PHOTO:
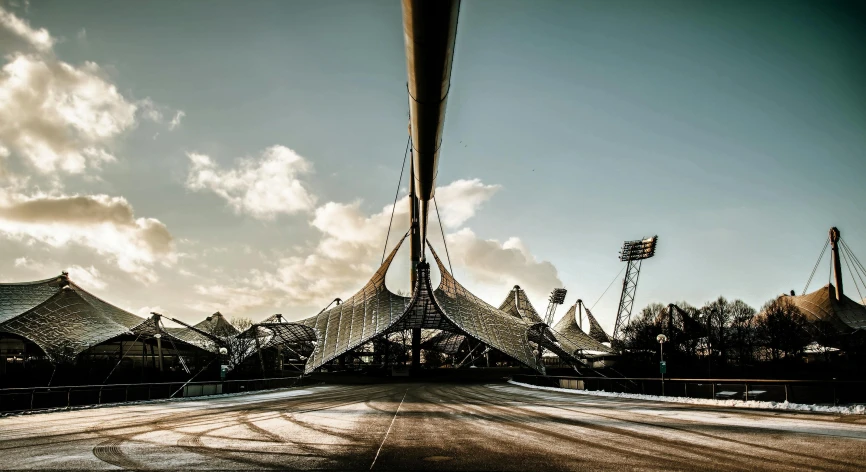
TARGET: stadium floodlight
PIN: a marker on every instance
(638, 250)
(557, 297)
(632, 253)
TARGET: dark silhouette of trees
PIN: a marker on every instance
(780, 330)
(729, 338)
(742, 333)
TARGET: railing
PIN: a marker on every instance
(833, 392)
(42, 398)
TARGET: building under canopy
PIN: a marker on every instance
(375, 311)
(843, 316)
(57, 321)
(568, 327)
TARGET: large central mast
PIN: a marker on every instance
(429, 30)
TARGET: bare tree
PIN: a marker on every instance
(639, 335)
(241, 323)
(781, 329)
(742, 332)
(718, 315)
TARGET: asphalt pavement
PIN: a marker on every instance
(430, 427)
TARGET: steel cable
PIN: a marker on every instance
(826, 243)
(862, 271)
(608, 288)
(396, 196)
(442, 229)
(849, 256)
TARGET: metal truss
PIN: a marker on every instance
(626, 300)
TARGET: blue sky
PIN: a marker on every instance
(733, 130)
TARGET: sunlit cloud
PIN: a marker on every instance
(262, 187)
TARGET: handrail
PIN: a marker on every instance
(751, 381)
(141, 384)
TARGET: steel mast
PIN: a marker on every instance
(429, 31)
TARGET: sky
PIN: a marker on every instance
(192, 157)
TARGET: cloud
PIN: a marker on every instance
(150, 110)
(502, 264)
(350, 248)
(27, 263)
(82, 34)
(56, 116)
(461, 199)
(261, 187)
(87, 277)
(175, 122)
(103, 224)
(145, 311)
(59, 117)
(14, 31)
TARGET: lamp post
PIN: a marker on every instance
(158, 338)
(708, 346)
(662, 366)
(224, 363)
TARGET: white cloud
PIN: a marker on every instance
(57, 116)
(145, 311)
(502, 264)
(82, 34)
(175, 122)
(459, 200)
(350, 249)
(150, 110)
(15, 29)
(87, 277)
(262, 187)
(103, 224)
(27, 263)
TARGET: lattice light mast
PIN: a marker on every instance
(556, 298)
(633, 253)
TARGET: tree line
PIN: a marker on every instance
(726, 338)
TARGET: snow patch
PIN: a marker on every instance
(839, 410)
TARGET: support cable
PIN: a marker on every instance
(174, 346)
(820, 257)
(121, 359)
(856, 261)
(858, 267)
(396, 195)
(442, 229)
(608, 287)
(191, 379)
(849, 256)
(853, 279)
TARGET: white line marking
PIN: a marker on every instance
(389, 429)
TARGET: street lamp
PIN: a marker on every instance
(662, 366)
(224, 364)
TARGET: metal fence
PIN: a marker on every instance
(829, 392)
(43, 398)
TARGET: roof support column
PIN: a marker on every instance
(837, 263)
(415, 250)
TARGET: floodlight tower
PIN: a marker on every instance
(556, 298)
(632, 253)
